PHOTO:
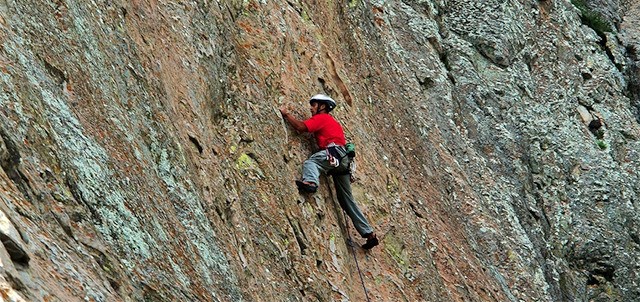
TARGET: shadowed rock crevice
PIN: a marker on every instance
(59, 75)
(78, 197)
(196, 143)
(301, 239)
(16, 251)
(633, 78)
(10, 161)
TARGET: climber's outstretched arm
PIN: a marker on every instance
(297, 124)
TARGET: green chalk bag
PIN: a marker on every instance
(351, 149)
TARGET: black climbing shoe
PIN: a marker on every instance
(306, 188)
(372, 241)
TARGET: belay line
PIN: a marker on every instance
(353, 250)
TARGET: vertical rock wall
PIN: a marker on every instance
(144, 157)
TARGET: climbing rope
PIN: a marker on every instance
(353, 251)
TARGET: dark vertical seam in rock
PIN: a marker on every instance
(11, 166)
(196, 143)
(299, 235)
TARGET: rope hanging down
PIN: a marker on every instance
(353, 249)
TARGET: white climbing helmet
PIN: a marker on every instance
(321, 98)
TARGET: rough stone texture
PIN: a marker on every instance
(144, 159)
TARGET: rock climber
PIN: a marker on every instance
(332, 159)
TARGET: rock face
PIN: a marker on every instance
(144, 159)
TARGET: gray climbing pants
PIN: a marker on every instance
(317, 164)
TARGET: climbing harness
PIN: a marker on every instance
(333, 155)
(333, 160)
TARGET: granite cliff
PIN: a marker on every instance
(144, 159)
